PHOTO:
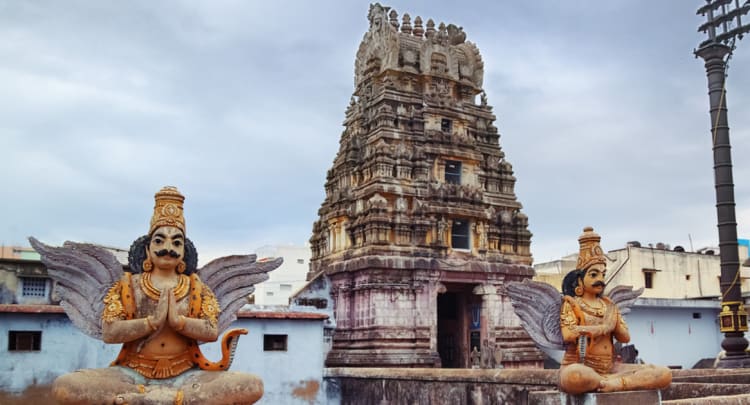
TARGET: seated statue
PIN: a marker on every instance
(160, 309)
(584, 323)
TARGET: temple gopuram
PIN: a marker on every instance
(420, 228)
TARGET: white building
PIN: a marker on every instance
(287, 278)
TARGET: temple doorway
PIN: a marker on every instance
(458, 325)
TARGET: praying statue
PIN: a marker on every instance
(585, 323)
(160, 309)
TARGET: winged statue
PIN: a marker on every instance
(161, 307)
(538, 305)
(580, 325)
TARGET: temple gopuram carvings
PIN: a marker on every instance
(420, 228)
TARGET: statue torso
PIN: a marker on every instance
(164, 341)
(599, 353)
(165, 352)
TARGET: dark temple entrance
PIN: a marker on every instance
(457, 325)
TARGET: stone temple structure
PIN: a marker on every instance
(420, 228)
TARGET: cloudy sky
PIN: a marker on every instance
(601, 105)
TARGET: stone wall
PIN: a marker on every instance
(392, 386)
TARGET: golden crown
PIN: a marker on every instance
(591, 252)
(168, 209)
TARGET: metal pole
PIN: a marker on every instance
(733, 318)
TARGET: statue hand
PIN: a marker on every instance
(592, 330)
(160, 316)
(176, 321)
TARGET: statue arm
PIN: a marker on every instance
(123, 331)
(571, 328)
(569, 323)
(116, 328)
(205, 328)
(621, 329)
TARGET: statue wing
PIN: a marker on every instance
(232, 279)
(624, 297)
(83, 273)
(538, 306)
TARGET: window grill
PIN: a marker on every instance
(24, 341)
(33, 287)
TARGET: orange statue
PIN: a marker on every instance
(584, 323)
(159, 310)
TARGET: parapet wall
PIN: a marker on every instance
(392, 386)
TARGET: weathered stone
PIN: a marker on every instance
(743, 399)
(697, 390)
(392, 386)
(420, 209)
(611, 398)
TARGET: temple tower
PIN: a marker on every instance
(420, 227)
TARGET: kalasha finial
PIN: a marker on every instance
(168, 209)
(394, 19)
(406, 24)
(418, 30)
(430, 28)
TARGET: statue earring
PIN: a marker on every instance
(579, 289)
(147, 265)
(181, 266)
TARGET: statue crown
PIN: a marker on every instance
(168, 209)
(590, 252)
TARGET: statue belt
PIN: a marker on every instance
(153, 366)
(602, 364)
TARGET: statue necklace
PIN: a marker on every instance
(590, 309)
(179, 292)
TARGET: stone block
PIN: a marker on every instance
(652, 397)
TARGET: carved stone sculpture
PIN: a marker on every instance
(159, 309)
(415, 113)
(476, 358)
(584, 322)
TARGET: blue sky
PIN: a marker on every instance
(601, 106)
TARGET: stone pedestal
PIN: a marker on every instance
(595, 398)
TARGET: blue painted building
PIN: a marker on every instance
(285, 347)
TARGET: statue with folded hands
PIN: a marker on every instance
(585, 322)
(160, 309)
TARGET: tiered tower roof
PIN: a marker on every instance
(419, 171)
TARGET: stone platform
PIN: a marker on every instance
(612, 398)
(426, 386)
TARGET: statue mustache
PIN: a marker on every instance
(165, 252)
(599, 284)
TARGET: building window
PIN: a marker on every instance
(269, 293)
(696, 315)
(301, 261)
(33, 287)
(446, 125)
(460, 234)
(453, 171)
(24, 341)
(274, 343)
(687, 277)
(648, 279)
(285, 287)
